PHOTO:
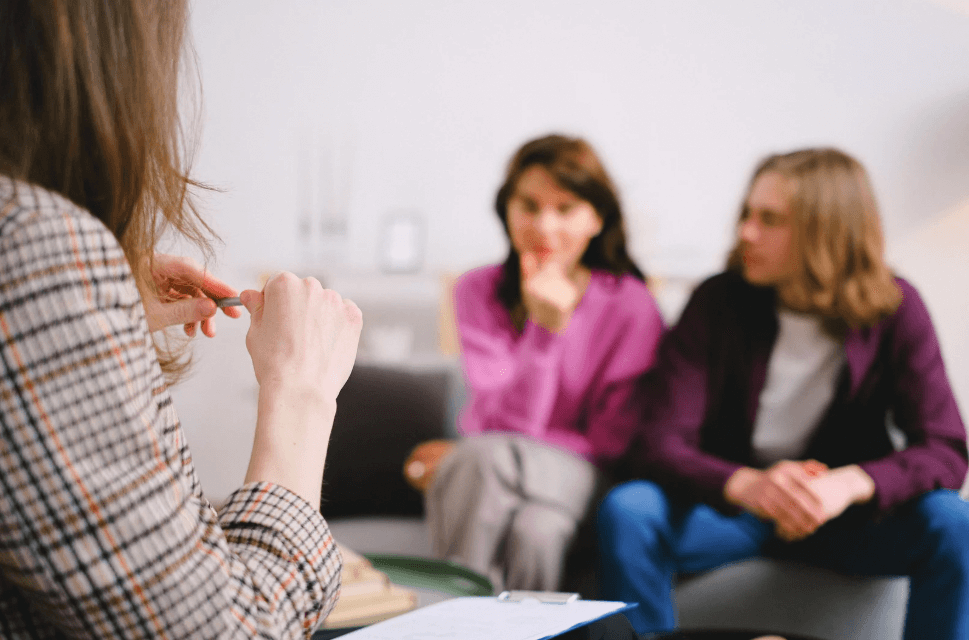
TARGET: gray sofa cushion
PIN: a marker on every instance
(793, 598)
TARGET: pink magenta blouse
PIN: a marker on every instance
(575, 390)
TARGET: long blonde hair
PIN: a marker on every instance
(840, 271)
(90, 110)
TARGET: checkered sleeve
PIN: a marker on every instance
(103, 532)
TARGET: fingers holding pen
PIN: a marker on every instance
(171, 310)
(252, 300)
(182, 295)
(301, 333)
(185, 276)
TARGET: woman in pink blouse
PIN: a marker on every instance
(553, 342)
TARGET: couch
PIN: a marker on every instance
(385, 411)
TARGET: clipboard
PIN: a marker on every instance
(487, 618)
(545, 597)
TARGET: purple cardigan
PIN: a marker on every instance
(701, 398)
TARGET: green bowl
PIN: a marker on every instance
(437, 575)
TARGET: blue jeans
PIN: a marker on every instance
(646, 539)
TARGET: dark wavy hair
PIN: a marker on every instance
(574, 165)
(89, 109)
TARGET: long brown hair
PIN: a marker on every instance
(574, 165)
(90, 110)
(840, 267)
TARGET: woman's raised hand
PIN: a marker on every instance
(303, 341)
(183, 295)
(548, 294)
(302, 334)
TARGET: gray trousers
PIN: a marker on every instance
(508, 507)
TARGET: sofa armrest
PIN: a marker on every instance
(383, 412)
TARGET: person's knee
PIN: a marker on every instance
(537, 527)
(637, 501)
(482, 458)
(946, 518)
(639, 506)
(535, 548)
(945, 530)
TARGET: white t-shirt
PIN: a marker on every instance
(801, 378)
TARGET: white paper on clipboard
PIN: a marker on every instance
(485, 618)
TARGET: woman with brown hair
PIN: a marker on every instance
(104, 530)
(767, 424)
(552, 343)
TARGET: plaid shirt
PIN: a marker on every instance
(104, 532)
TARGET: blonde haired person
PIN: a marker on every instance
(104, 530)
(767, 417)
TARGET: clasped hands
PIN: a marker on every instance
(798, 496)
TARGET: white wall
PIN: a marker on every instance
(417, 106)
(935, 258)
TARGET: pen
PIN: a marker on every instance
(222, 303)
